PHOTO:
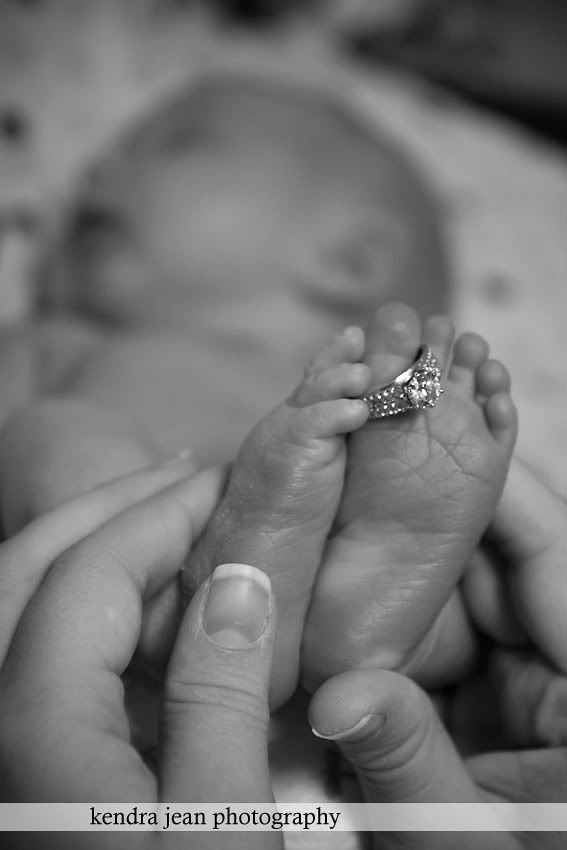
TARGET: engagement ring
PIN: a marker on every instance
(417, 388)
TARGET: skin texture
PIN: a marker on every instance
(222, 242)
(284, 490)
(76, 585)
(285, 493)
(204, 261)
(209, 256)
(420, 490)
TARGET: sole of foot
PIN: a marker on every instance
(284, 491)
(420, 489)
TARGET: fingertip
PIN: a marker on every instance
(393, 737)
(237, 609)
(357, 704)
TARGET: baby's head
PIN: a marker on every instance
(247, 202)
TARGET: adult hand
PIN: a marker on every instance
(513, 713)
(392, 734)
(75, 593)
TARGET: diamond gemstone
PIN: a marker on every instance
(424, 388)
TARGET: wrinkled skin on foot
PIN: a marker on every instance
(420, 490)
(284, 491)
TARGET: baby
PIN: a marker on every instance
(198, 331)
(386, 529)
(203, 264)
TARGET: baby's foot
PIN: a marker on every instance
(420, 490)
(284, 491)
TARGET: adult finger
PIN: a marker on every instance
(215, 710)
(532, 697)
(517, 700)
(530, 534)
(25, 558)
(488, 599)
(524, 776)
(78, 634)
(388, 729)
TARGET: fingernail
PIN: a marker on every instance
(368, 723)
(237, 607)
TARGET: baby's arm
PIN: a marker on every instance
(54, 446)
(57, 448)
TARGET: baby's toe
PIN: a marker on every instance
(347, 380)
(469, 353)
(492, 377)
(346, 347)
(327, 419)
(393, 338)
(438, 334)
(502, 418)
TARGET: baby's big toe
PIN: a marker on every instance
(324, 420)
(392, 340)
(438, 334)
(335, 372)
(348, 380)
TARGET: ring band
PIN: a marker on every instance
(417, 388)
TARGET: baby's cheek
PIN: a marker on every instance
(212, 218)
(112, 284)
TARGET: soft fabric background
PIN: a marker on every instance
(73, 72)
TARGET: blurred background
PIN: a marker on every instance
(475, 93)
(463, 103)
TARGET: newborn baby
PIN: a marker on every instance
(389, 524)
(204, 263)
(202, 267)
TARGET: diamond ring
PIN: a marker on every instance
(417, 388)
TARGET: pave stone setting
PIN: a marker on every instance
(424, 389)
(418, 388)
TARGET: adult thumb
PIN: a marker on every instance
(390, 732)
(215, 712)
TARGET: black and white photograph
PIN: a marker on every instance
(283, 424)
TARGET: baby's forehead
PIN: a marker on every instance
(224, 116)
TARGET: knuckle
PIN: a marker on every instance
(241, 699)
(87, 566)
(397, 759)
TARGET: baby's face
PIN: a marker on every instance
(244, 214)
